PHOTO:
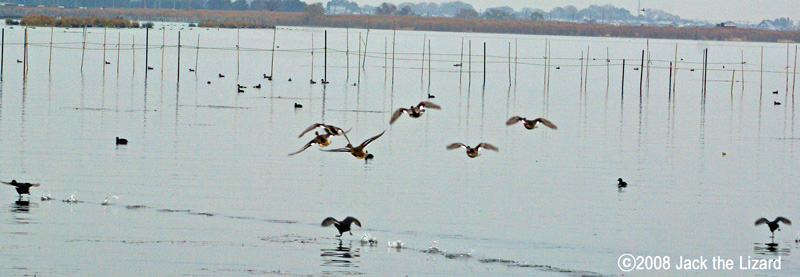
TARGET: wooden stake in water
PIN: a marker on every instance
(623, 79)
(237, 51)
(272, 60)
(762, 72)
(509, 64)
(2, 52)
(104, 51)
(422, 67)
(393, 45)
(325, 60)
(163, 45)
(586, 79)
(146, 50)
(197, 54)
(83, 48)
(733, 76)
(312, 56)
(179, 58)
(669, 91)
(358, 77)
(484, 64)
(119, 48)
(794, 70)
(429, 66)
(50, 57)
(641, 75)
(742, 78)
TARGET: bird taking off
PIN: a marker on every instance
(773, 225)
(343, 226)
(22, 188)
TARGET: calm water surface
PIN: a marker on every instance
(205, 185)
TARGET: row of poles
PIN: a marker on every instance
(584, 67)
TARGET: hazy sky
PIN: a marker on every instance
(712, 10)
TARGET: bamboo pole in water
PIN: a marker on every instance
(347, 49)
(608, 69)
(119, 49)
(484, 63)
(641, 74)
(104, 51)
(623, 79)
(179, 58)
(733, 76)
(675, 74)
(586, 79)
(325, 59)
(394, 37)
(669, 91)
(461, 61)
(469, 64)
(366, 43)
(422, 67)
(509, 64)
(163, 45)
(237, 51)
(787, 68)
(429, 67)
(358, 79)
(762, 73)
(580, 88)
(516, 56)
(2, 52)
(133, 52)
(794, 70)
(50, 57)
(197, 54)
(25, 53)
(385, 57)
(742, 72)
(312, 57)
(272, 60)
(146, 50)
(83, 48)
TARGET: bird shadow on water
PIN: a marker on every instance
(770, 249)
(341, 256)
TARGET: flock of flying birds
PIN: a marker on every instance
(323, 139)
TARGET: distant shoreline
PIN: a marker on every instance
(419, 23)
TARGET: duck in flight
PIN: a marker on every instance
(531, 124)
(321, 140)
(343, 226)
(329, 129)
(773, 225)
(472, 152)
(413, 111)
(22, 188)
(358, 151)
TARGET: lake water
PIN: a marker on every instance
(206, 187)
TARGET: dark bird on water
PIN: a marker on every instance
(107, 62)
(239, 91)
(773, 225)
(358, 151)
(472, 152)
(24, 188)
(354, 84)
(297, 106)
(413, 111)
(558, 67)
(221, 76)
(312, 81)
(122, 141)
(18, 61)
(776, 103)
(431, 96)
(325, 82)
(149, 68)
(209, 82)
(239, 86)
(290, 79)
(257, 86)
(191, 70)
(775, 92)
(621, 183)
(269, 78)
(343, 226)
(531, 124)
(457, 65)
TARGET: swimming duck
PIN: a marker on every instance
(472, 152)
(269, 78)
(773, 225)
(122, 141)
(18, 61)
(297, 106)
(257, 86)
(431, 96)
(221, 76)
(621, 183)
(414, 112)
(149, 68)
(321, 140)
(343, 226)
(457, 65)
(22, 188)
(329, 129)
(775, 92)
(359, 151)
(107, 62)
(209, 82)
(239, 91)
(191, 70)
(325, 82)
(531, 124)
(776, 103)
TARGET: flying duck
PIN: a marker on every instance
(321, 140)
(358, 151)
(531, 124)
(472, 152)
(414, 112)
(329, 129)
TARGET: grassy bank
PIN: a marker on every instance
(264, 18)
(49, 21)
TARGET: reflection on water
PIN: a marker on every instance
(771, 249)
(341, 256)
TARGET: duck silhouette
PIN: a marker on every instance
(358, 151)
(22, 188)
(773, 225)
(121, 141)
(531, 124)
(621, 183)
(342, 226)
(413, 111)
(472, 152)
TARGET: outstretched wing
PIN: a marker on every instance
(783, 220)
(397, 115)
(351, 219)
(546, 123)
(8, 183)
(455, 145)
(487, 146)
(429, 105)
(514, 119)
(36, 185)
(761, 221)
(367, 142)
(303, 149)
(328, 221)
(337, 150)
(310, 128)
